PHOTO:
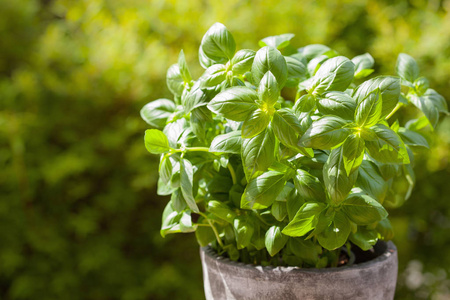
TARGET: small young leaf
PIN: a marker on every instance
(174, 80)
(186, 183)
(244, 229)
(407, 67)
(184, 70)
(218, 44)
(363, 62)
(156, 141)
(275, 240)
(278, 41)
(353, 153)
(268, 91)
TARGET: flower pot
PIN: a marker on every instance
(374, 279)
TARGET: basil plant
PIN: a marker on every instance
(287, 156)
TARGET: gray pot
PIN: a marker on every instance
(375, 279)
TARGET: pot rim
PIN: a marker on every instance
(387, 253)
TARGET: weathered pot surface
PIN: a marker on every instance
(375, 279)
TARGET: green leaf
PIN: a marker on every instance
(187, 182)
(275, 240)
(431, 104)
(218, 44)
(363, 209)
(177, 200)
(242, 61)
(325, 133)
(258, 153)
(364, 238)
(308, 186)
(193, 99)
(412, 138)
(156, 113)
(307, 250)
(206, 62)
(174, 80)
(170, 221)
(363, 65)
(368, 111)
(235, 103)
(336, 234)
(269, 59)
(184, 70)
(297, 71)
(353, 153)
(371, 181)
(338, 184)
(337, 103)
(221, 210)
(335, 74)
(306, 103)
(389, 87)
(279, 210)
(205, 236)
(421, 85)
(227, 143)
(186, 222)
(385, 230)
(200, 117)
(156, 141)
(277, 41)
(244, 229)
(407, 67)
(304, 220)
(165, 168)
(388, 147)
(268, 91)
(214, 75)
(314, 50)
(256, 122)
(262, 191)
(286, 128)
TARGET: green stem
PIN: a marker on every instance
(216, 233)
(233, 173)
(394, 111)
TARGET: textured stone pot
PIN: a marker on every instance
(375, 279)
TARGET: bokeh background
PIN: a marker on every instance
(79, 215)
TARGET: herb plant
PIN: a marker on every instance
(286, 156)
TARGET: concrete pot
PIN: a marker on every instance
(375, 279)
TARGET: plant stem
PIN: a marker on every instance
(219, 240)
(233, 173)
(394, 111)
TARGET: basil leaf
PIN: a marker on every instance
(177, 200)
(325, 133)
(371, 181)
(200, 116)
(297, 71)
(314, 50)
(335, 74)
(389, 87)
(186, 183)
(221, 210)
(388, 147)
(412, 138)
(431, 103)
(338, 184)
(368, 111)
(363, 65)
(268, 91)
(256, 122)
(275, 240)
(308, 186)
(353, 153)
(279, 210)
(363, 209)
(277, 41)
(262, 191)
(421, 85)
(214, 75)
(258, 153)
(242, 61)
(337, 103)
(156, 141)
(156, 113)
(227, 143)
(364, 238)
(407, 67)
(269, 59)
(184, 70)
(304, 220)
(235, 103)
(218, 44)
(307, 250)
(165, 168)
(204, 235)
(336, 234)
(175, 130)
(286, 128)
(174, 80)
(385, 230)
(170, 221)
(206, 62)
(244, 229)
(305, 104)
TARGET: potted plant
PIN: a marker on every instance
(283, 161)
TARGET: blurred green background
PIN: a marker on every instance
(79, 215)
